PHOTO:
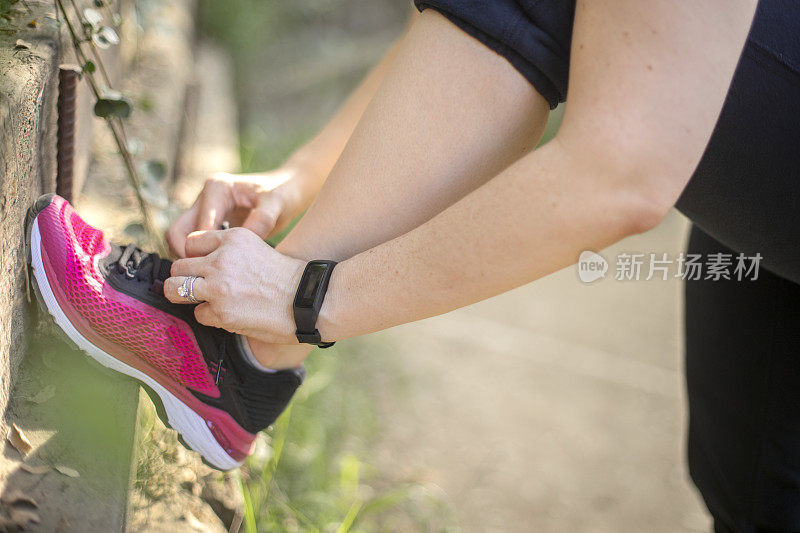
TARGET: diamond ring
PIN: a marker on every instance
(186, 290)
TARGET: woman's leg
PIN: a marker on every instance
(743, 377)
(449, 115)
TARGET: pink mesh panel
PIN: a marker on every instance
(89, 239)
(161, 340)
(192, 375)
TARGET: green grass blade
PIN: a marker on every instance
(249, 511)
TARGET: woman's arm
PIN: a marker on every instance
(648, 80)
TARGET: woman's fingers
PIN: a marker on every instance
(242, 286)
(212, 209)
(202, 243)
(193, 266)
(225, 198)
(179, 230)
(264, 215)
(199, 289)
(206, 315)
(213, 204)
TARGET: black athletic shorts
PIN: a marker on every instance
(743, 342)
(533, 35)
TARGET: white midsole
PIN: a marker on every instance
(183, 419)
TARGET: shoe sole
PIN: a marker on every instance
(174, 413)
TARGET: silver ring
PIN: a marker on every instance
(186, 290)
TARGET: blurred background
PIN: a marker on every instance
(556, 407)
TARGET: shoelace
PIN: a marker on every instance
(220, 360)
(138, 264)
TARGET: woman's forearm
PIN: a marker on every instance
(531, 220)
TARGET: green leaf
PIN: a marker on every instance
(348, 474)
(89, 67)
(104, 108)
(350, 518)
(249, 510)
(155, 170)
(105, 37)
(67, 471)
(135, 231)
(112, 104)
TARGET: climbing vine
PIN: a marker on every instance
(90, 34)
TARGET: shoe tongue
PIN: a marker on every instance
(164, 268)
(146, 261)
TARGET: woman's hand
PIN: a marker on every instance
(263, 203)
(245, 285)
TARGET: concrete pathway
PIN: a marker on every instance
(556, 407)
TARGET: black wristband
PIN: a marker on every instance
(308, 301)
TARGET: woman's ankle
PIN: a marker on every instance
(279, 356)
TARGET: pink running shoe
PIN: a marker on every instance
(108, 299)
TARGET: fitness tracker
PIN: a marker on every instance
(308, 301)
